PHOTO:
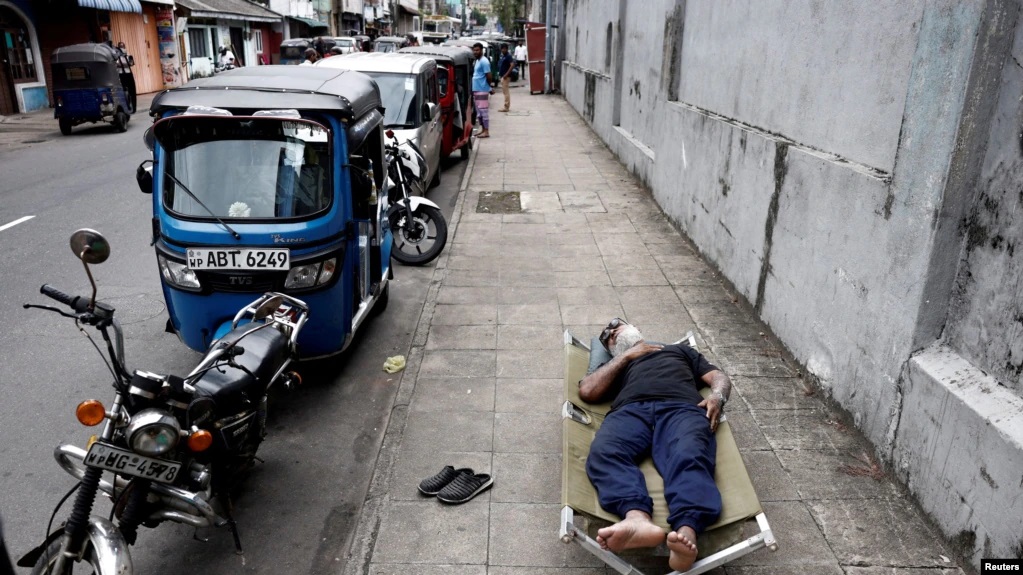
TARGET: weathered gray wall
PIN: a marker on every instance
(826, 156)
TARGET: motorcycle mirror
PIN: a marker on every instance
(90, 246)
(267, 308)
(144, 176)
(149, 138)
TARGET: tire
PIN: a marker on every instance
(382, 301)
(45, 563)
(466, 149)
(121, 121)
(65, 126)
(409, 241)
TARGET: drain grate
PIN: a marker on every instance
(499, 203)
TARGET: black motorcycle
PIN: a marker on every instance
(170, 446)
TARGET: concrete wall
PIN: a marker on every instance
(829, 169)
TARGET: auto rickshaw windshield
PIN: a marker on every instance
(246, 168)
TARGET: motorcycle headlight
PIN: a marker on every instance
(177, 274)
(153, 432)
(311, 275)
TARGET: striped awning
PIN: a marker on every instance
(113, 5)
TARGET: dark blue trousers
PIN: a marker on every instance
(677, 435)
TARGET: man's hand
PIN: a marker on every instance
(640, 349)
(713, 407)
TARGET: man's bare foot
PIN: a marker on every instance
(636, 530)
(682, 544)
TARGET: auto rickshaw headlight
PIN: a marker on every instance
(310, 275)
(177, 274)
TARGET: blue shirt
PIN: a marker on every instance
(479, 75)
(504, 64)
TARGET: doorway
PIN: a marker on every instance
(238, 45)
(17, 65)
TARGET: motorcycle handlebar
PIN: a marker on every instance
(78, 303)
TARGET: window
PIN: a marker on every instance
(257, 39)
(431, 87)
(17, 47)
(197, 42)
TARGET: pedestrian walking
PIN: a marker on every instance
(311, 56)
(520, 58)
(505, 66)
(481, 89)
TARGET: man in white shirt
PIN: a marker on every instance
(520, 57)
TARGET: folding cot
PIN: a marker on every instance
(721, 543)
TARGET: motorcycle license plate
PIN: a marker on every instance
(119, 460)
(238, 259)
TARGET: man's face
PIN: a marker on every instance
(622, 338)
(504, 50)
(477, 52)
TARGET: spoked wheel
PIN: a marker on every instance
(419, 237)
(47, 561)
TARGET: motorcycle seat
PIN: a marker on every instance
(265, 351)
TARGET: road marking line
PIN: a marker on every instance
(15, 222)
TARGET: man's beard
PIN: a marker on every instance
(626, 338)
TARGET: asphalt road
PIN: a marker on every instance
(296, 511)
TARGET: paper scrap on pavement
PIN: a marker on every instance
(394, 364)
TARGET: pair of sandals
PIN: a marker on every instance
(455, 486)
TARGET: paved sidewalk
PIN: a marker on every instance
(23, 130)
(483, 383)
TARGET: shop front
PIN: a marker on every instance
(22, 73)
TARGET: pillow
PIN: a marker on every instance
(598, 355)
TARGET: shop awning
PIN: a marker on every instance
(310, 22)
(229, 10)
(409, 6)
(113, 5)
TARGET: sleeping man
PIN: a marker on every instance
(656, 410)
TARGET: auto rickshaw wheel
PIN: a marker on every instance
(436, 178)
(65, 126)
(121, 121)
(466, 149)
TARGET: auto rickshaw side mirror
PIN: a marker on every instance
(131, 61)
(430, 110)
(149, 139)
(144, 176)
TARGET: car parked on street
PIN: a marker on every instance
(347, 44)
(411, 99)
(390, 43)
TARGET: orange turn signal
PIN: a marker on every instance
(200, 440)
(90, 412)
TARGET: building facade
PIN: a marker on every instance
(252, 33)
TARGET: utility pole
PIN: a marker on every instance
(465, 8)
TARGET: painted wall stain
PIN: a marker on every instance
(781, 168)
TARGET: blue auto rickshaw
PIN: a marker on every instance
(270, 178)
(92, 83)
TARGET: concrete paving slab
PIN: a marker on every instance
(547, 571)
(887, 532)
(530, 363)
(454, 394)
(557, 236)
(598, 314)
(833, 475)
(526, 535)
(527, 432)
(577, 263)
(587, 295)
(747, 434)
(770, 480)
(457, 534)
(850, 570)
(821, 569)
(776, 392)
(536, 314)
(633, 262)
(541, 396)
(462, 337)
(443, 363)
(696, 294)
(471, 314)
(565, 279)
(527, 295)
(811, 429)
(423, 569)
(527, 478)
(529, 278)
(436, 431)
(754, 362)
(637, 277)
(413, 465)
(800, 542)
(573, 250)
(466, 295)
(519, 336)
(472, 278)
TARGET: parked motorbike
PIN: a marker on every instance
(171, 445)
(417, 224)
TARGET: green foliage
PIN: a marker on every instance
(479, 18)
(507, 11)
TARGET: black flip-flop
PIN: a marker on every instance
(433, 485)
(464, 487)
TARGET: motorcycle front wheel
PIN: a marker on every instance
(45, 564)
(419, 237)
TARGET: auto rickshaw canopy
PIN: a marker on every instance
(351, 95)
(85, 66)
